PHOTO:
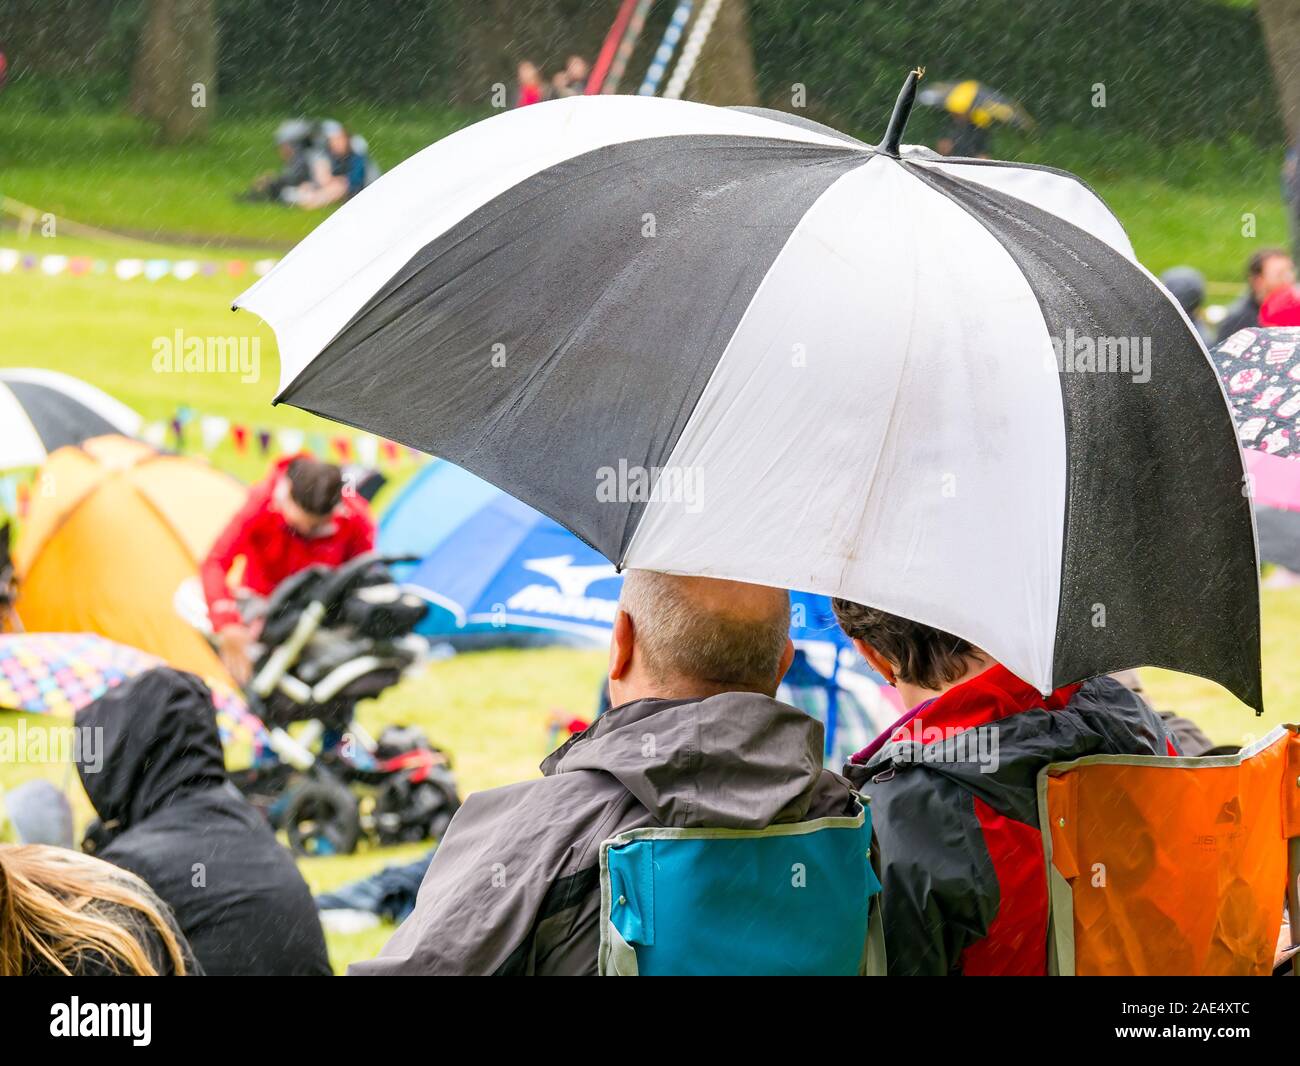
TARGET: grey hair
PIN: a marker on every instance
(681, 638)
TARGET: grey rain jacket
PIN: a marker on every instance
(514, 886)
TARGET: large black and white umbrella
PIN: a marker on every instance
(41, 410)
(835, 363)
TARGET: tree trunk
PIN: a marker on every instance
(174, 80)
(725, 71)
(1280, 21)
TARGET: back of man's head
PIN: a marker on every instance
(314, 486)
(699, 636)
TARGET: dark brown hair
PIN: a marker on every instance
(922, 655)
(314, 486)
(1255, 264)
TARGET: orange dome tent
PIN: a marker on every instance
(114, 528)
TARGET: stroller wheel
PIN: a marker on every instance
(321, 818)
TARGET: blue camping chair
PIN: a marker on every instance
(799, 899)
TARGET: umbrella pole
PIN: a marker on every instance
(902, 110)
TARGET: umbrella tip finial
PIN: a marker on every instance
(902, 109)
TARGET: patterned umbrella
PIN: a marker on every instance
(1260, 369)
(59, 673)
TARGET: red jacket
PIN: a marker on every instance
(955, 811)
(1282, 308)
(273, 550)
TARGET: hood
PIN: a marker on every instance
(153, 738)
(738, 760)
(1187, 285)
(998, 756)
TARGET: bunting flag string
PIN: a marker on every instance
(188, 430)
(13, 261)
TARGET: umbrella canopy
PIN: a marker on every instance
(59, 673)
(495, 565)
(114, 528)
(1260, 369)
(41, 410)
(743, 345)
(977, 102)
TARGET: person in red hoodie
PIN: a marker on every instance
(1282, 308)
(298, 516)
(953, 793)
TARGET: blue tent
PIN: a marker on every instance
(496, 571)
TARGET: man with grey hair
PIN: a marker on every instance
(695, 739)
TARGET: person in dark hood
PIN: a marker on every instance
(953, 787)
(1187, 286)
(152, 766)
(695, 739)
(292, 143)
(1267, 271)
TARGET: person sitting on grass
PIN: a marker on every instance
(337, 174)
(953, 792)
(72, 915)
(292, 144)
(695, 739)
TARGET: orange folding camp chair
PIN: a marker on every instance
(1173, 865)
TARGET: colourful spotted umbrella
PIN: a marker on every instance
(59, 673)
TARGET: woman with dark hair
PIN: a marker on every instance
(952, 792)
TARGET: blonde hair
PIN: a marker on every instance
(53, 914)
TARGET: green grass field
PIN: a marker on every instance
(488, 709)
(1208, 205)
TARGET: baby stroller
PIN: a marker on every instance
(329, 638)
